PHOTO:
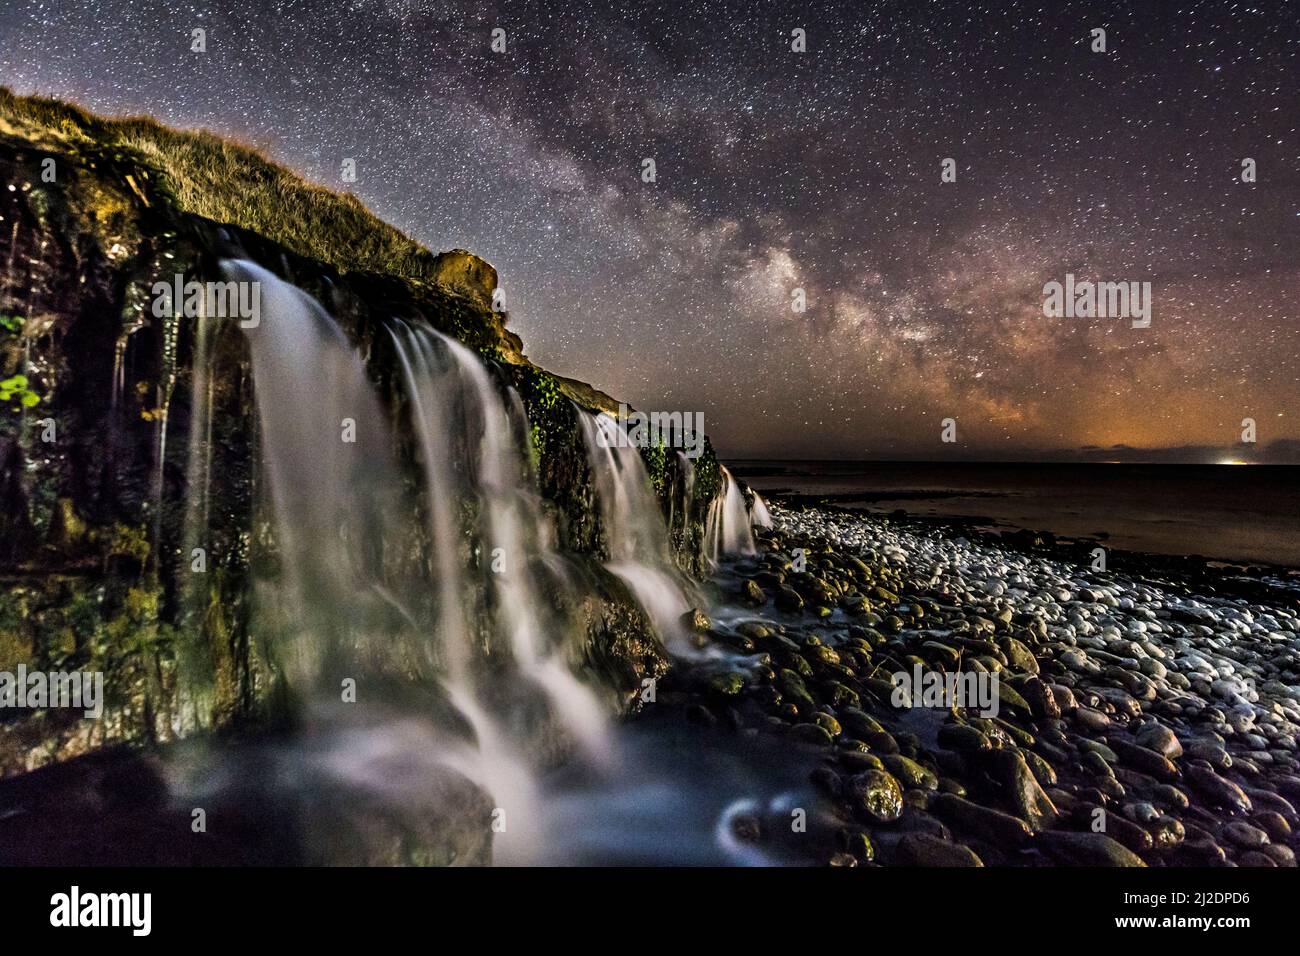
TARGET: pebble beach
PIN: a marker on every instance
(1136, 724)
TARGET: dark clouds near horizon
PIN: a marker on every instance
(778, 170)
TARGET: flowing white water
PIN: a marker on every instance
(328, 468)
(335, 495)
(450, 390)
(727, 530)
(762, 518)
(635, 532)
(442, 604)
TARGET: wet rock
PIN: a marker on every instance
(922, 849)
(1041, 768)
(856, 762)
(1132, 779)
(984, 822)
(1147, 761)
(882, 743)
(1199, 851)
(727, 685)
(1211, 753)
(1040, 698)
(811, 734)
(1220, 792)
(1021, 788)
(1020, 658)
(910, 773)
(738, 641)
(822, 654)
(1243, 835)
(1268, 800)
(1099, 748)
(949, 785)
(1255, 859)
(1170, 796)
(1280, 854)
(942, 654)
(1008, 696)
(961, 737)
(752, 594)
(1064, 697)
(696, 621)
(915, 803)
(1166, 832)
(1274, 824)
(877, 796)
(1288, 785)
(828, 723)
(1095, 764)
(859, 723)
(859, 844)
(1092, 721)
(794, 691)
(1141, 812)
(788, 599)
(1086, 849)
(1161, 739)
(840, 696)
(1136, 838)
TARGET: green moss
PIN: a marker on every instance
(126, 542)
(16, 391)
(656, 462)
(16, 388)
(546, 412)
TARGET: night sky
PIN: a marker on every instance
(778, 170)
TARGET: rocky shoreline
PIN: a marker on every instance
(1136, 725)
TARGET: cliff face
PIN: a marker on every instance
(95, 422)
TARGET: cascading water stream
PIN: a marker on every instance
(335, 495)
(330, 476)
(635, 534)
(762, 518)
(681, 503)
(728, 528)
(353, 589)
(494, 763)
(450, 388)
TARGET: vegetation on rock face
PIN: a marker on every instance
(209, 176)
(94, 562)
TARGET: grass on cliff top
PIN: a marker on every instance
(227, 182)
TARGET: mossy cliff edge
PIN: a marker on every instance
(95, 398)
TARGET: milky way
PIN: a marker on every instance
(779, 170)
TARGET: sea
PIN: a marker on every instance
(1246, 514)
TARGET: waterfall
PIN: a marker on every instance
(473, 616)
(727, 529)
(455, 405)
(331, 479)
(762, 518)
(682, 501)
(635, 533)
